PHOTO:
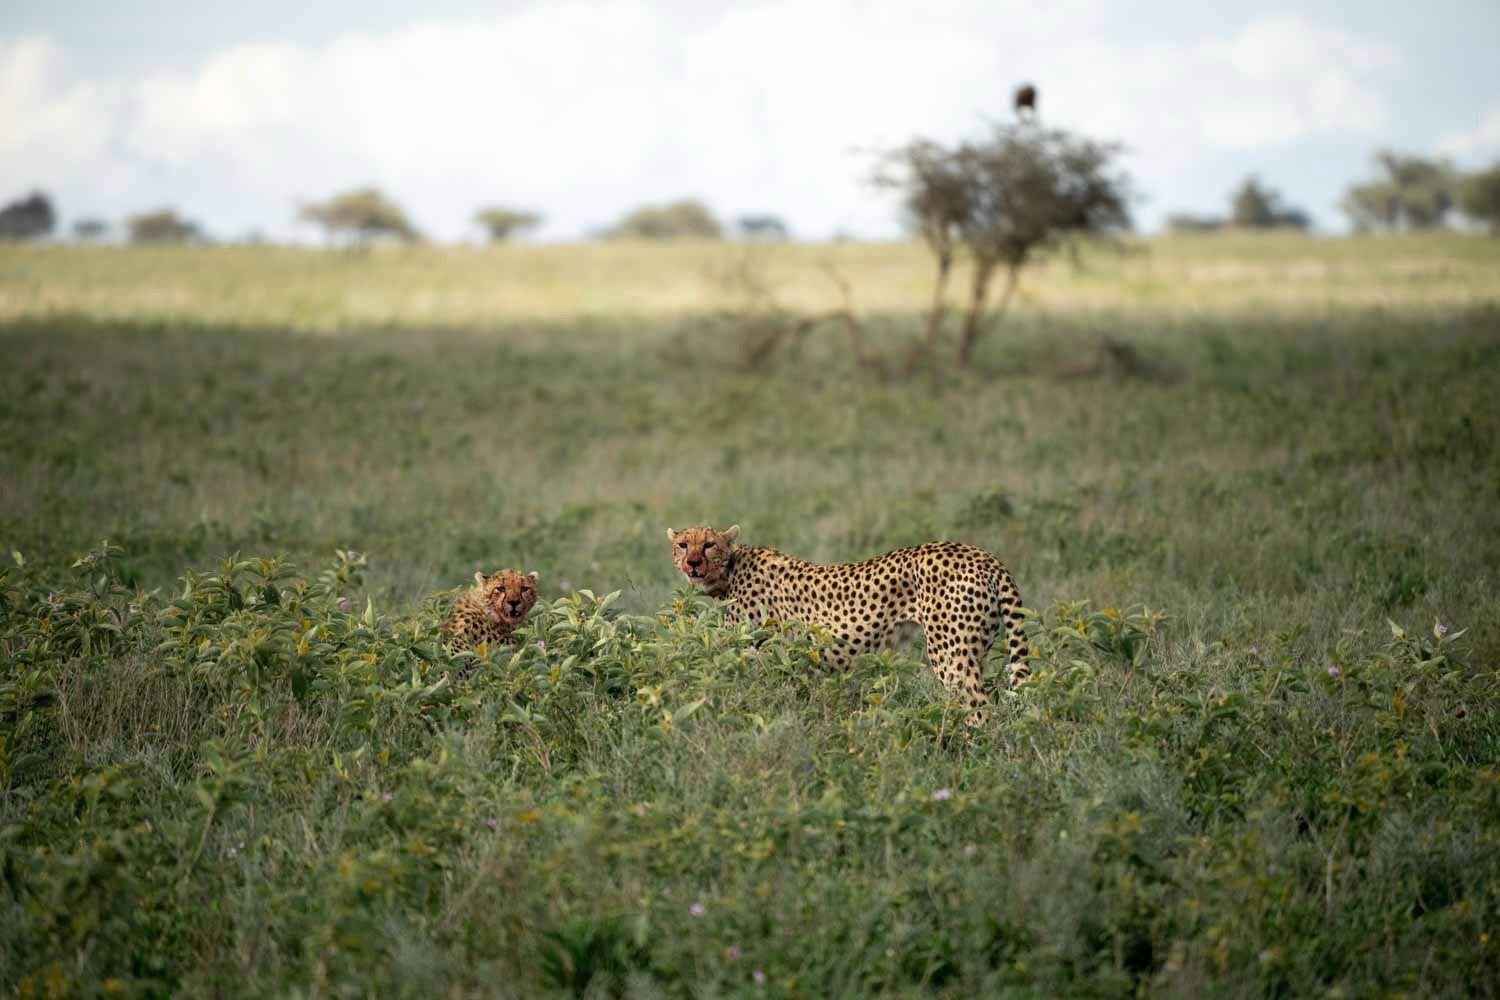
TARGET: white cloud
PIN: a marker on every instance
(1276, 80)
(581, 109)
(52, 127)
(1479, 143)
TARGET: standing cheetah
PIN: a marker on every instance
(959, 594)
(490, 610)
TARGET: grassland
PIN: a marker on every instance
(242, 782)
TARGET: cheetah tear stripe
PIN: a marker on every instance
(490, 610)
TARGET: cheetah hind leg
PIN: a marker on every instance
(958, 661)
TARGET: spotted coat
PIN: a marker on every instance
(490, 610)
(961, 596)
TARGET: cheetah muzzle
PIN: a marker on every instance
(490, 610)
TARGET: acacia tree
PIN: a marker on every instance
(162, 226)
(1479, 197)
(1003, 201)
(935, 200)
(360, 216)
(503, 223)
(29, 218)
(688, 218)
(1415, 193)
(1254, 205)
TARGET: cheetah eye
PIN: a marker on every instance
(682, 545)
(707, 546)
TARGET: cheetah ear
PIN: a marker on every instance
(671, 535)
(731, 533)
(479, 577)
(533, 576)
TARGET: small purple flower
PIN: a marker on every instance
(1442, 630)
(696, 911)
(492, 823)
(343, 604)
(386, 796)
(759, 977)
(1335, 672)
(541, 645)
(941, 795)
(732, 953)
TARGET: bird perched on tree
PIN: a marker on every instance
(1026, 102)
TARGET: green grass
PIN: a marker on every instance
(246, 783)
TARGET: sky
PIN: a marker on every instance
(235, 114)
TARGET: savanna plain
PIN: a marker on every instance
(1249, 488)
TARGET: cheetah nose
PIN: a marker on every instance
(695, 563)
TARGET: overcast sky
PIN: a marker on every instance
(235, 113)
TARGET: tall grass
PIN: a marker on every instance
(1259, 755)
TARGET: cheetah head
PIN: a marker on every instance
(508, 595)
(703, 554)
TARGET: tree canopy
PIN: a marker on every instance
(1414, 193)
(1004, 199)
(360, 216)
(162, 226)
(1479, 197)
(503, 223)
(687, 218)
(1254, 205)
(29, 218)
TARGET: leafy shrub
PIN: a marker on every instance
(262, 783)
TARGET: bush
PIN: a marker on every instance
(261, 783)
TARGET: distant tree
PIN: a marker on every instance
(1187, 222)
(162, 226)
(360, 216)
(28, 218)
(1415, 193)
(688, 218)
(765, 227)
(90, 229)
(1479, 197)
(1372, 207)
(1005, 200)
(936, 194)
(503, 223)
(1255, 206)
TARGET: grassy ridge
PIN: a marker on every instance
(465, 287)
(1267, 790)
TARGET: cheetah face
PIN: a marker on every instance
(508, 595)
(702, 554)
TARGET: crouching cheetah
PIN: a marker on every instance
(490, 610)
(959, 594)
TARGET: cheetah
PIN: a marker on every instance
(960, 595)
(490, 610)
